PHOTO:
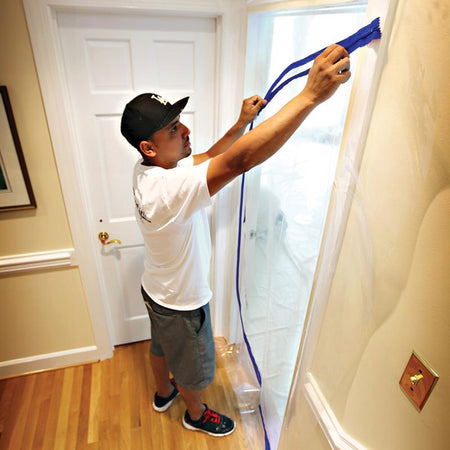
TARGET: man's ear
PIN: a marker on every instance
(148, 148)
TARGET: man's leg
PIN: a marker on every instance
(193, 400)
(161, 373)
(198, 416)
(164, 387)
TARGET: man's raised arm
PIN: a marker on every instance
(330, 70)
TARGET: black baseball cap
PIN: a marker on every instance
(146, 114)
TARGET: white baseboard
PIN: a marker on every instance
(37, 261)
(338, 439)
(48, 361)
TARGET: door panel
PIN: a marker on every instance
(108, 60)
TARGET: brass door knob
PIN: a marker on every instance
(104, 236)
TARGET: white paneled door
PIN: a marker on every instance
(109, 59)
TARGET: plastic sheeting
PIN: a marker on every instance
(283, 215)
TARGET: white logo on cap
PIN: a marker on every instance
(160, 99)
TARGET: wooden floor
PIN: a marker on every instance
(107, 405)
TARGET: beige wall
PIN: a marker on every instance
(391, 290)
(46, 311)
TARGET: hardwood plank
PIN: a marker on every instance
(53, 413)
(7, 389)
(136, 439)
(32, 412)
(24, 392)
(137, 377)
(106, 405)
(125, 399)
(10, 406)
(83, 413)
(64, 408)
(74, 409)
(149, 425)
(94, 404)
(44, 395)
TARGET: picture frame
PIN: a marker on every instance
(16, 192)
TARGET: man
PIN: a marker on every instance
(170, 206)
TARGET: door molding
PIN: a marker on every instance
(41, 16)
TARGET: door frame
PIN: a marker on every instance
(42, 24)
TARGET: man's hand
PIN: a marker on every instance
(250, 109)
(330, 69)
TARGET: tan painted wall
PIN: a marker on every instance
(391, 290)
(46, 311)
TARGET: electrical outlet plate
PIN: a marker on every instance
(418, 380)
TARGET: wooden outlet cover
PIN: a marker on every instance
(418, 393)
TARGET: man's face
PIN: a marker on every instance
(171, 144)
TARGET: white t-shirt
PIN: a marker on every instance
(171, 213)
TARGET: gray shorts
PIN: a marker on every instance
(186, 341)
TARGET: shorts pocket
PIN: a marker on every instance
(196, 320)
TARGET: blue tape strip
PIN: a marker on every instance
(266, 438)
(362, 37)
(238, 263)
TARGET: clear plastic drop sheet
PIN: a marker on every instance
(285, 205)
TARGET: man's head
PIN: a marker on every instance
(146, 114)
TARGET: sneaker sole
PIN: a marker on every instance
(190, 427)
(166, 406)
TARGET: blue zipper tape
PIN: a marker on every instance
(362, 37)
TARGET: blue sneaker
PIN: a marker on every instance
(210, 422)
(162, 404)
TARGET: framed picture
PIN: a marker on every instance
(15, 187)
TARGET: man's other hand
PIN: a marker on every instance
(250, 109)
